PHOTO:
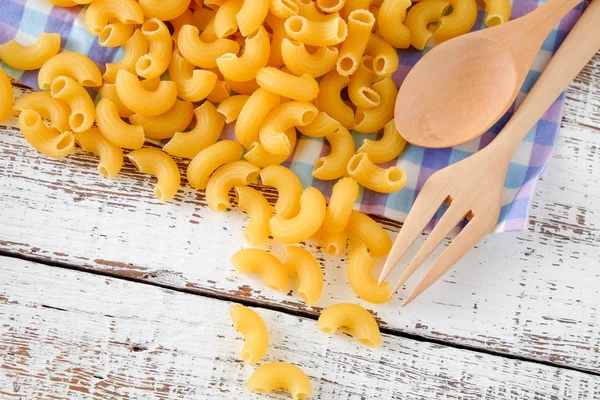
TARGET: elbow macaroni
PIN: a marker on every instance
(245, 67)
(330, 99)
(71, 65)
(192, 84)
(283, 117)
(252, 115)
(373, 119)
(254, 330)
(56, 111)
(224, 179)
(460, 21)
(135, 47)
(209, 124)
(343, 196)
(356, 319)
(111, 155)
(305, 224)
(378, 179)
(360, 24)
(300, 88)
(390, 23)
(321, 126)
(361, 280)
(280, 375)
(200, 53)
(370, 233)
(330, 32)
(289, 189)
(334, 165)
(160, 46)
(83, 112)
(251, 16)
(138, 99)
(158, 163)
(420, 16)
(101, 13)
(389, 147)
(47, 141)
(225, 23)
(31, 57)
(304, 266)
(232, 107)
(262, 158)
(264, 264)
(164, 126)
(115, 129)
(297, 58)
(385, 58)
(208, 160)
(259, 213)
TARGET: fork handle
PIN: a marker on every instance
(578, 48)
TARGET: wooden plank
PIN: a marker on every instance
(69, 334)
(535, 297)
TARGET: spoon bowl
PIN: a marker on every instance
(462, 87)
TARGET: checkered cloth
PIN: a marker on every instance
(24, 20)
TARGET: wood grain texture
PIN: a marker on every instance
(532, 294)
(69, 334)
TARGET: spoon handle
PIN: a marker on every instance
(578, 48)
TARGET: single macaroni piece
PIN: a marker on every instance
(460, 21)
(334, 243)
(388, 148)
(264, 264)
(288, 186)
(109, 91)
(209, 125)
(252, 15)
(299, 60)
(232, 107)
(330, 32)
(259, 212)
(211, 158)
(135, 47)
(352, 5)
(277, 26)
(48, 141)
(254, 330)
(115, 34)
(358, 321)
(420, 16)
(330, 6)
(385, 58)
(369, 120)
(284, 8)
(56, 111)
(111, 155)
(31, 57)
(225, 23)
(260, 157)
(321, 126)
(361, 280)
(302, 265)
(160, 46)
(360, 90)
(246, 88)
(101, 13)
(200, 53)
(389, 23)
(256, 55)
(300, 88)
(360, 25)
(6, 97)
(343, 196)
(224, 179)
(370, 233)
(192, 84)
(280, 375)
(305, 224)
(334, 165)
(164, 126)
(164, 10)
(330, 99)
(378, 179)
(158, 163)
(115, 129)
(83, 111)
(149, 103)
(279, 120)
(252, 115)
(72, 65)
(498, 12)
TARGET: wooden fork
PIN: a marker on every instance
(473, 187)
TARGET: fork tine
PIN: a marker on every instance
(449, 220)
(465, 240)
(424, 208)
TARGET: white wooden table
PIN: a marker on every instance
(105, 293)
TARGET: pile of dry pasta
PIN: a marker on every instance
(274, 67)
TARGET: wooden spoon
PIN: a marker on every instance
(462, 87)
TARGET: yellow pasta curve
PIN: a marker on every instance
(264, 264)
(358, 321)
(254, 330)
(31, 57)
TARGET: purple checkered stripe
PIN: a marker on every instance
(26, 19)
